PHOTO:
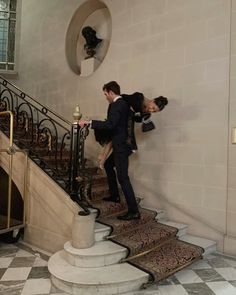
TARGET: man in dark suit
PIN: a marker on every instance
(116, 123)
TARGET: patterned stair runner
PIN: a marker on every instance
(152, 246)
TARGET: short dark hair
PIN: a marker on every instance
(112, 86)
(161, 102)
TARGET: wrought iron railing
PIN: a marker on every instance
(54, 143)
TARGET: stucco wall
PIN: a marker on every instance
(230, 240)
(180, 49)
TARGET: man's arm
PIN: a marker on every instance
(109, 124)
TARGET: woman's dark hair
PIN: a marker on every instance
(112, 86)
(161, 102)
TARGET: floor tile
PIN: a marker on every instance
(40, 262)
(198, 289)
(5, 261)
(22, 262)
(233, 283)
(10, 252)
(231, 262)
(37, 286)
(201, 264)
(222, 288)
(11, 288)
(188, 276)
(228, 273)
(55, 290)
(170, 281)
(172, 290)
(8, 246)
(2, 271)
(218, 262)
(39, 272)
(16, 274)
(209, 275)
(23, 253)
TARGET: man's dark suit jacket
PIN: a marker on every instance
(117, 117)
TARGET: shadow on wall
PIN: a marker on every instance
(191, 214)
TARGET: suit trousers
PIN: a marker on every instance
(120, 162)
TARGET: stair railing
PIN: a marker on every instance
(54, 143)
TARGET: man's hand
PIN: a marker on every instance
(83, 123)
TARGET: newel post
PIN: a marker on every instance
(83, 223)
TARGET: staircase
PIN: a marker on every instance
(107, 267)
(101, 269)
(126, 256)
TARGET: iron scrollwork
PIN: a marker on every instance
(49, 138)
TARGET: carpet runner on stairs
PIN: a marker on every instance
(152, 246)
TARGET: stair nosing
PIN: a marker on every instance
(79, 252)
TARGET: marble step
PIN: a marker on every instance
(161, 214)
(208, 245)
(106, 280)
(101, 231)
(100, 254)
(182, 228)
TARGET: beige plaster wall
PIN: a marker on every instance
(179, 49)
(230, 239)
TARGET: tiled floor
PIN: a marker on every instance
(24, 272)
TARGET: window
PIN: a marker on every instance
(7, 34)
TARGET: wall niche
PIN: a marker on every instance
(93, 14)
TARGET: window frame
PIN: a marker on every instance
(14, 73)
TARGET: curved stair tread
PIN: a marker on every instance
(209, 246)
(99, 227)
(98, 249)
(106, 275)
(101, 231)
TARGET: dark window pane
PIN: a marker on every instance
(11, 67)
(13, 5)
(3, 67)
(11, 41)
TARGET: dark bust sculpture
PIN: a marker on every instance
(91, 41)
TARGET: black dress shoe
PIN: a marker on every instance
(129, 216)
(110, 199)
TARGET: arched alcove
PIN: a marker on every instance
(95, 14)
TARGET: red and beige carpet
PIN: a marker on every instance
(152, 246)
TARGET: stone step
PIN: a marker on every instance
(101, 231)
(160, 213)
(182, 228)
(100, 254)
(106, 280)
(208, 245)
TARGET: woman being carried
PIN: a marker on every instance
(140, 111)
